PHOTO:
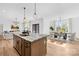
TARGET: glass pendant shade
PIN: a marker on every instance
(35, 14)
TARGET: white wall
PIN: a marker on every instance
(75, 26)
(46, 24)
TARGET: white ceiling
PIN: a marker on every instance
(13, 10)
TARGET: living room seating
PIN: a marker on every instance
(62, 36)
(7, 35)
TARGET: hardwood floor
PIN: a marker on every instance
(54, 48)
(58, 48)
(6, 48)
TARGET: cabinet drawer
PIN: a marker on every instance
(27, 48)
(27, 44)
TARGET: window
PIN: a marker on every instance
(60, 25)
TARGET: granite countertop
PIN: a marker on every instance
(32, 37)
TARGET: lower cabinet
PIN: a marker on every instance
(22, 47)
(14, 41)
(17, 43)
(26, 48)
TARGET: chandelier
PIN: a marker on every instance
(35, 12)
(35, 9)
(24, 19)
(25, 32)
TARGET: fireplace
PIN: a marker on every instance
(35, 28)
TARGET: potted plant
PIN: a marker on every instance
(51, 28)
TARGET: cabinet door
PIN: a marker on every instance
(45, 46)
(18, 45)
(22, 46)
(14, 41)
(27, 48)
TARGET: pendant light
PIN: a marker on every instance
(35, 9)
(24, 12)
(24, 19)
(25, 32)
(35, 12)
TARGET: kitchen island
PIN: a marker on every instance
(33, 45)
